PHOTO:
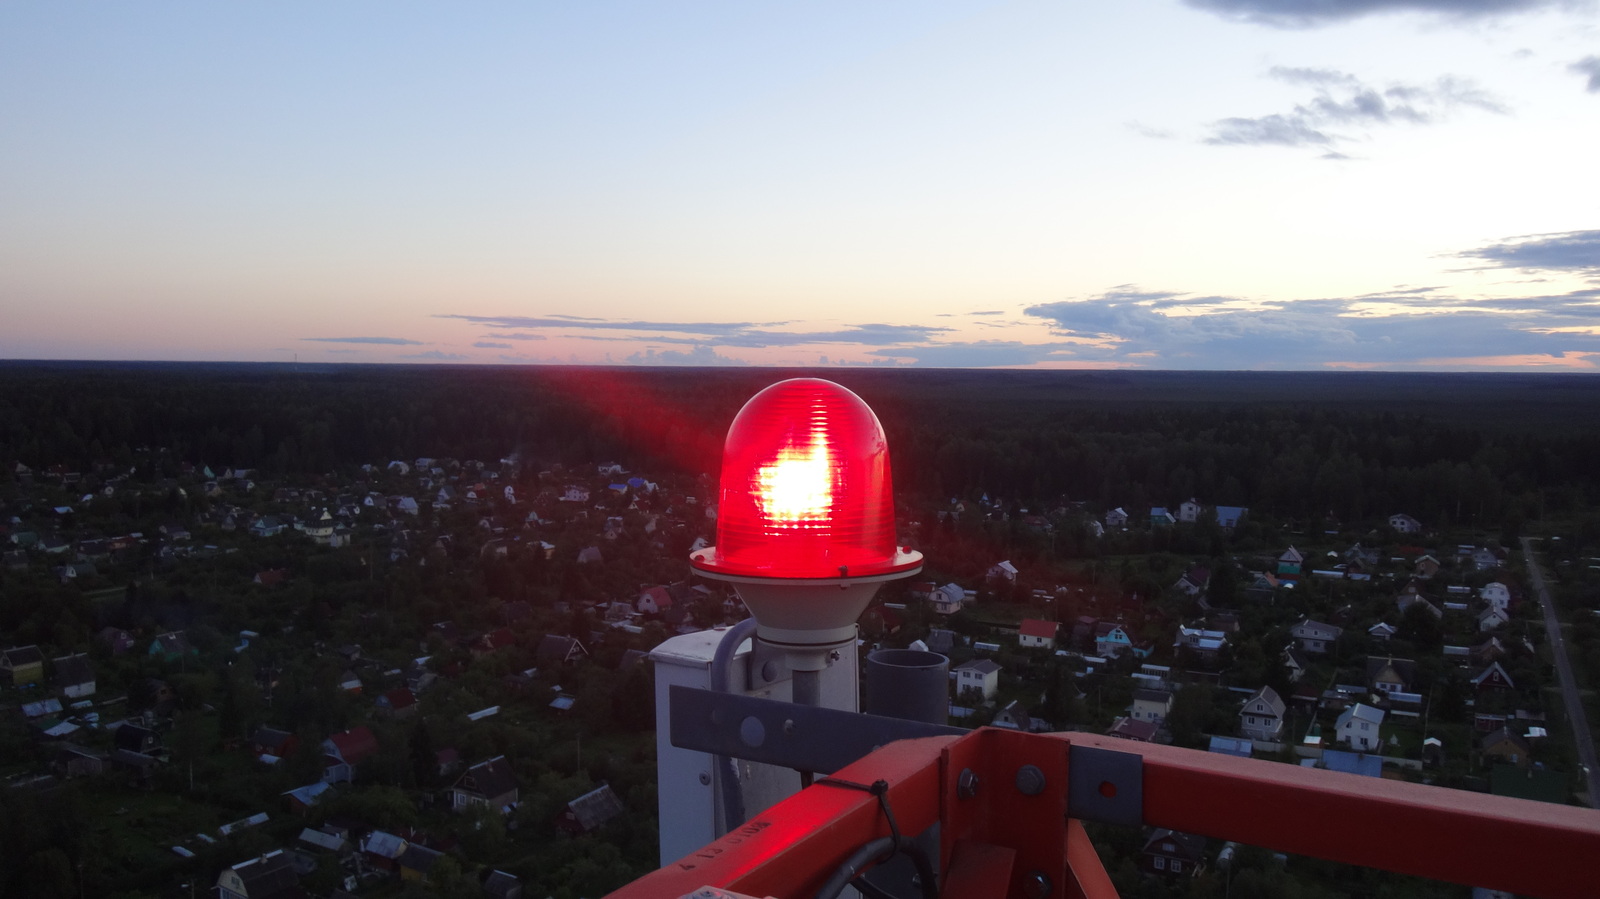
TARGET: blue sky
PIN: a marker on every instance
(1205, 184)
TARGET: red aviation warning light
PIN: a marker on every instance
(806, 498)
(806, 491)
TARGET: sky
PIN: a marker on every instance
(1160, 184)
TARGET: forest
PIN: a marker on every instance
(1481, 450)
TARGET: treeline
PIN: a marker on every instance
(1447, 449)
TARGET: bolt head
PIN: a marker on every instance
(1030, 780)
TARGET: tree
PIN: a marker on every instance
(424, 757)
(1192, 707)
(1421, 628)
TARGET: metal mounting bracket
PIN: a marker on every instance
(806, 738)
(1105, 786)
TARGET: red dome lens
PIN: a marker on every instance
(805, 487)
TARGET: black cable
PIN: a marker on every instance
(878, 851)
(871, 890)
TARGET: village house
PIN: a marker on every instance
(172, 646)
(1170, 853)
(1386, 674)
(591, 811)
(1204, 643)
(1015, 717)
(1189, 510)
(1314, 636)
(654, 600)
(74, 676)
(1505, 747)
(1496, 596)
(1261, 717)
(1295, 663)
(1116, 518)
(23, 665)
(500, 885)
(1290, 561)
(947, 600)
(1150, 705)
(1193, 582)
(343, 751)
(490, 784)
(982, 675)
(1003, 571)
(1035, 634)
(267, 877)
(1492, 677)
(397, 703)
(555, 649)
(1491, 618)
(1359, 726)
(1111, 640)
(1405, 524)
(1486, 559)
(1126, 728)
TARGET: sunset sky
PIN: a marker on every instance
(1167, 184)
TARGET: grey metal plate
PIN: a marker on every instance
(1105, 786)
(806, 738)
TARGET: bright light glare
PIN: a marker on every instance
(798, 486)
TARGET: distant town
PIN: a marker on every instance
(431, 676)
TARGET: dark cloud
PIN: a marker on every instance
(491, 345)
(387, 341)
(1311, 13)
(436, 356)
(1572, 251)
(1590, 66)
(988, 312)
(573, 321)
(749, 335)
(1579, 304)
(1341, 100)
(1407, 330)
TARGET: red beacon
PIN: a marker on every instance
(805, 514)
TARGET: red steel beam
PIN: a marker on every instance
(1517, 845)
(789, 850)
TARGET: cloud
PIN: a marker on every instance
(1311, 13)
(573, 321)
(700, 355)
(1409, 328)
(979, 354)
(1572, 251)
(1149, 131)
(1283, 131)
(1340, 100)
(437, 356)
(1590, 66)
(748, 335)
(387, 341)
(491, 345)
